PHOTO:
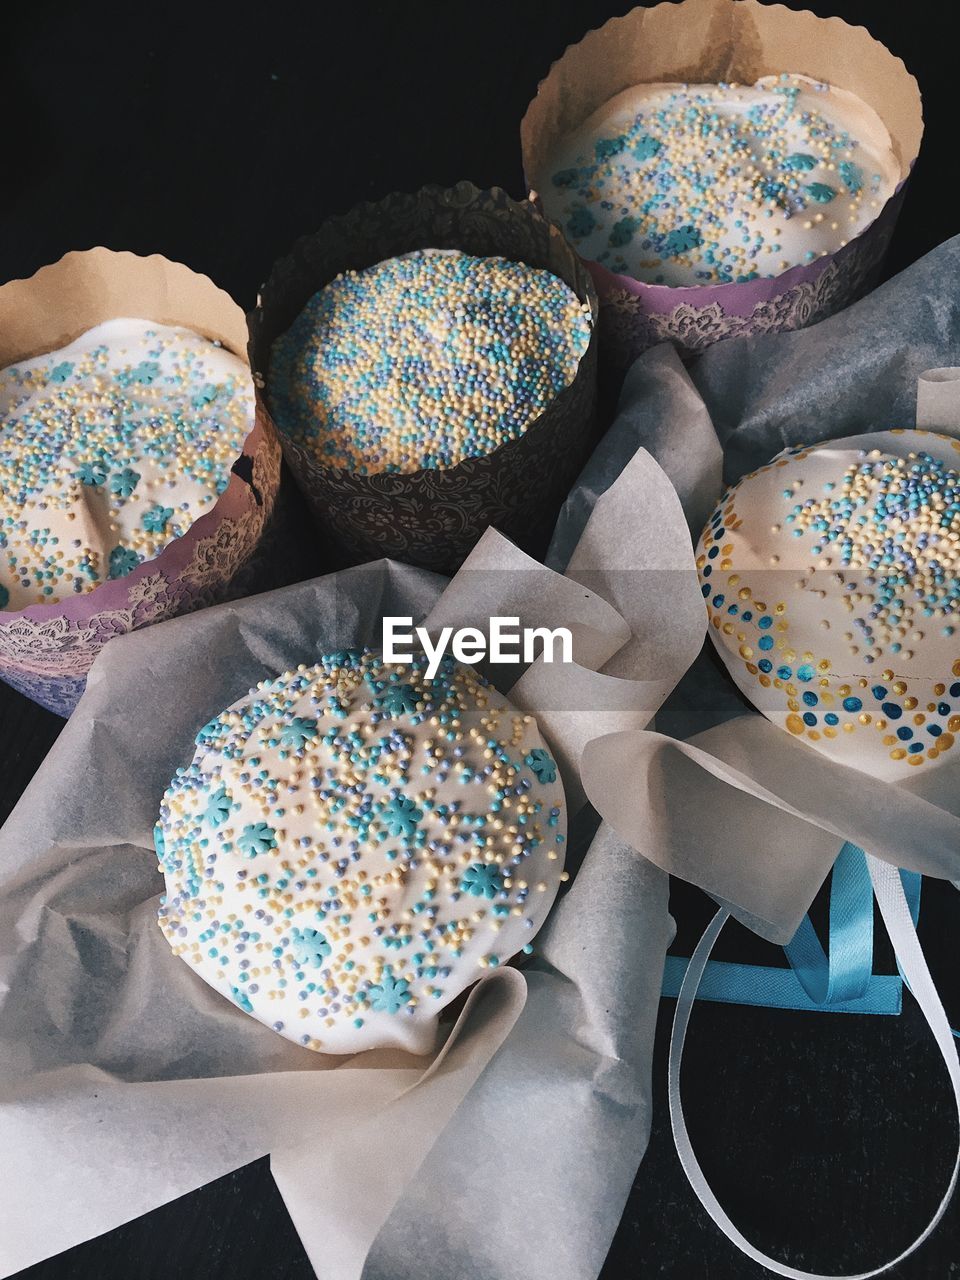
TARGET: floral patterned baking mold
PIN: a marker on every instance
(706, 41)
(433, 518)
(635, 316)
(46, 651)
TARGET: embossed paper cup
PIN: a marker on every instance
(432, 518)
(47, 650)
(705, 42)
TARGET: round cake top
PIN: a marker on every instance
(832, 580)
(354, 844)
(425, 360)
(715, 184)
(109, 449)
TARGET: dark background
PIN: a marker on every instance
(216, 135)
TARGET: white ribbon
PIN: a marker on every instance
(896, 914)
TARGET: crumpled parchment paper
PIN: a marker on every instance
(722, 797)
(125, 1081)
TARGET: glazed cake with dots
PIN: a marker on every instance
(354, 844)
(109, 449)
(832, 581)
(706, 184)
(425, 360)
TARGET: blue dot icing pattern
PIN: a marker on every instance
(832, 582)
(719, 184)
(109, 450)
(353, 845)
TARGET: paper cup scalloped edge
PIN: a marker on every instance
(706, 41)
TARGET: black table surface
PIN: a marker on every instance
(218, 134)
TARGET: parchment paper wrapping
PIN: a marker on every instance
(47, 650)
(738, 806)
(126, 1081)
(434, 518)
(705, 41)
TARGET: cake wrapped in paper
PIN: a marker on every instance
(430, 364)
(135, 480)
(360, 842)
(724, 168)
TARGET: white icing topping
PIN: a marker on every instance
(705, 184)
(109, 449)
(832, 579)
(353, 845)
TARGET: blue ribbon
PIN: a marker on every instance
(771, 988)
(840, 980)
(844, 972)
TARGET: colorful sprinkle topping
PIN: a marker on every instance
(425, 360)
(720, 184)
(354, 844)
(105, 457)
(832, 579)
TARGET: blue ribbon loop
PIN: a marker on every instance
(839, 980)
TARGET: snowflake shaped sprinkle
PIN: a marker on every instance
(124, 482)
(645, 147)
(482, 880)
(623, 232)
(401, 816)
(92, 473)
(605, 148)
(256, 837)
(298, 733)
(681, 240)
(155, 520)
(581, 222)
(399, 700)
(61, 372)
(144, 373)
(851, 174)
(310, 948)
(390, 995)
(218, 808)
(541, 764)
(122, 562)
(206, 395)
